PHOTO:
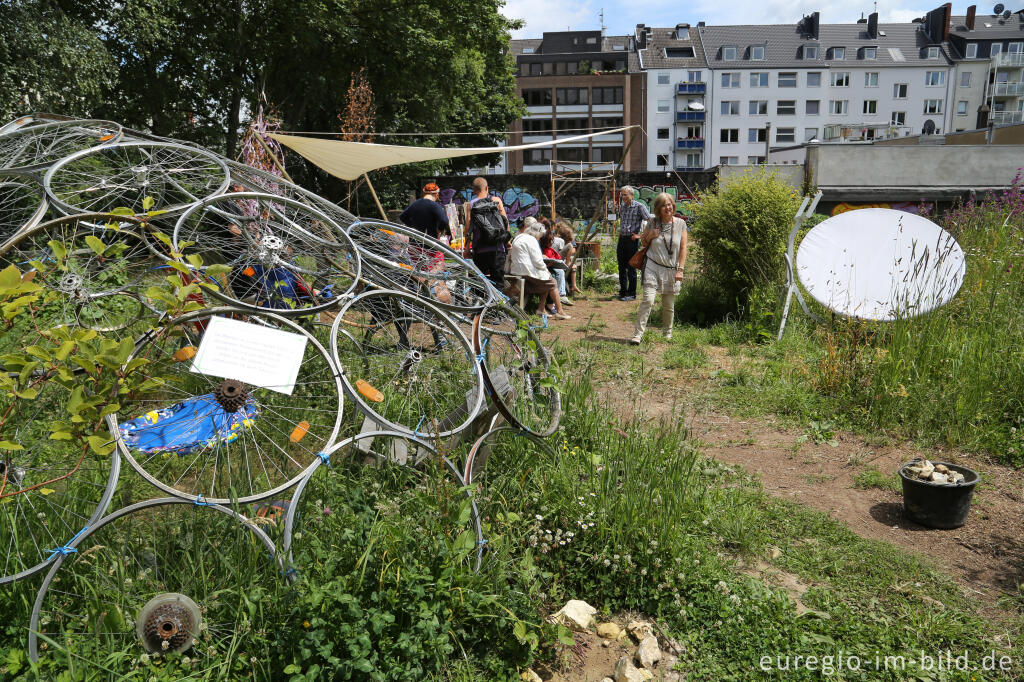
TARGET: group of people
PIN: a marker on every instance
(538, 255)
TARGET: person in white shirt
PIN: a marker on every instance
(526, 260)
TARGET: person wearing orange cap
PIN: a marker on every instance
(426, 214)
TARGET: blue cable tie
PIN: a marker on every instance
(481, 543)
(68, 549)
(483, 347)
(416, 431)
(325, 457)
(290, 572)
(199, 501)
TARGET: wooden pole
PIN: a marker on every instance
(375, 199)
(553, 195)
(273, 157)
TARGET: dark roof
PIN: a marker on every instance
(660, 39)
(1010, 28)
(518, 45)
(783, 46)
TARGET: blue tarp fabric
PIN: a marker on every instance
(195, 424)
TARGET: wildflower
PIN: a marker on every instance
(538, 517)
(305, 624)
(734, 598)
(607, 562)
(165, 645)
(144, 659)
(327, 511)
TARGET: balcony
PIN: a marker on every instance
(690, 144)
(689, 116)
(1010, 89)
(691, 88)
(1008, 59)
(690, 169)
(1004, 117)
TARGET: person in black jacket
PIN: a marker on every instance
(426, 214)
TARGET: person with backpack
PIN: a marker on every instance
(487, 225)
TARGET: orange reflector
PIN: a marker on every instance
(299, 432)
(184, 354)
(387, 232)
(248, 272)
(107, 137)
(369, 392)
(405, 265)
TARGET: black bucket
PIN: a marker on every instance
(937, 505)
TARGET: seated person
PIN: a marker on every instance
(558, 273)
(526, 260)
(565, 243)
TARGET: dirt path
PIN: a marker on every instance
(986, 555)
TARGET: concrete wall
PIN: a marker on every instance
(793, 175)
(937, 172)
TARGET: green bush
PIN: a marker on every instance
(741, 226)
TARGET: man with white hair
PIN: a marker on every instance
(632, 217)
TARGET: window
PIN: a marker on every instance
(607, 122)
(756, 135)
(871, 79)
(812, 107)
(840, 79)
(758, 107)
(693, 160)
(536, 126)
(729, 53)
(618, 46)
(932, 53)
(870, 106)
(965, 79)
(536, 69)
(810, 134)
(607, 96)
(527, 50)
(728, 160)
(934, 78)
(679, 52)
(592, 40)
(573, 154)
(662, 133)
(785, 134)
(694, 76)
(870, 53)
(972, 51)
(814, 79)
(810, 51)
(607, 154)
(662, 160)
(572, 67)
(755, 160)
(1015, 48)
(533, 157)
(898, 118)
(758, 80)
(995, 49)
(573, 125)
(730, 108)
(899, 91)
(933, 106)
(694, 133)
(730, 135)
(730, 79)
(961, 108)
(537, 98)
(839, 106)
(663, 78)
(664, 106)
(569, 96)
(757, 52)
(838, 53)
(785, 107)
(787, 79)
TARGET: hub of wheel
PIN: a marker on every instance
(168, 622)
(412, 358)
(141, 175)
(71, 285)
(231, 395)
(269, 248)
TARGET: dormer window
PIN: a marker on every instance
(757, 53)
(972, 51)
(995, 49)
(837, 53)
(729, 53)
(810, 51)
(932, 53)
(869, 53)
(592, 40)
(527, 50)
(618, 47)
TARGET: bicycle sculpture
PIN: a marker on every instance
(152, 246)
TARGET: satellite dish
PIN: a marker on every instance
(929, 127)
(696, 106)
(880, 264)
(1006, 14)
(998, 9)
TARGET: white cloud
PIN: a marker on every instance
(551, 15)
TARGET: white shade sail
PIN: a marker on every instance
(349, 160)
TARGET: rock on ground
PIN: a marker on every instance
(648, 653)
(575, 614)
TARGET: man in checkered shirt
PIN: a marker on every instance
(632, 216)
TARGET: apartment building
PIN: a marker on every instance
(787, 84)
(575, 82)
(675, 105)
(988, 51)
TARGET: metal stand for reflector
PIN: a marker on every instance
(791, 288)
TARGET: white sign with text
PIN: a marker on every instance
(250, 353)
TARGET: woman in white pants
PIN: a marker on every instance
(663, 270)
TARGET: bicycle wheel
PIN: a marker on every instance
(248, 179)
(396, 257)
(22, 206)
(93, 270)
(515, 368)
(404, 490)
(195, 435)
(32, 148)
(51, 489)
(133, 174)
(160, 576)
(284, 256)
(406, 364)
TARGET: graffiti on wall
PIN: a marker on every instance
(905, 206)
(519, 203)
(647, 193)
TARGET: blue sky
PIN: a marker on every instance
(622, 16)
